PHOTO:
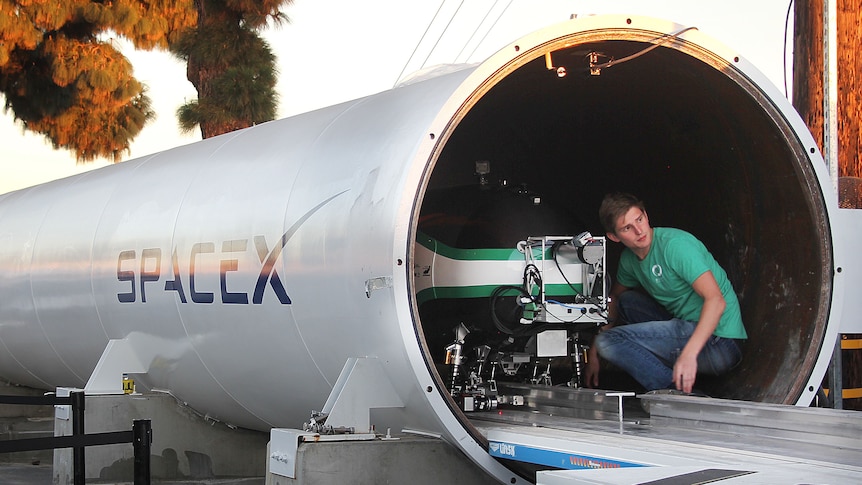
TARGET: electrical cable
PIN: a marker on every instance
(475, 30)
(440, 37)
(784, 51)
(566, 305)
(588, 299)
(661, 40)
(532, 278)
(490, 29)
(495, 296)
(419, 43)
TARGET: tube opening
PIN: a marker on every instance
(688, 133)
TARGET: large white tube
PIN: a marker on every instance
(248, 268)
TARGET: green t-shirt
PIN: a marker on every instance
(675, 260)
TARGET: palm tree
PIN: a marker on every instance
(230, 65)
(63, 78)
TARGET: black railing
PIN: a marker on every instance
(141, 436)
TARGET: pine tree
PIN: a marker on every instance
(63, 78)
(230, 65)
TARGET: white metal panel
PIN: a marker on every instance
(849, 270)
(312, 208)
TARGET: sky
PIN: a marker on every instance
(338, 50)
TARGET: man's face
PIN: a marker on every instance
(634, 232)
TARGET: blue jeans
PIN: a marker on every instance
(648, 341)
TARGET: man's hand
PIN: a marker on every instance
(685, 372)
(685, 368)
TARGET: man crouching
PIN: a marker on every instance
(687, 318)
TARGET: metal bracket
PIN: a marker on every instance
(119, 357)
(378, 283)
(363, 385)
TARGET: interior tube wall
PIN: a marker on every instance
(697, 133)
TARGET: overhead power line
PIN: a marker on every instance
(420, 41)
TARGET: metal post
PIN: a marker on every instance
(830, 89)
(78, 466)
(836, 384)
(830, 148)
(142, 438)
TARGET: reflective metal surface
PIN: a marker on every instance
(250, 267)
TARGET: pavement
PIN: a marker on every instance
(15, 474)
(22, 474)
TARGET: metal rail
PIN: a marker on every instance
(141, 437)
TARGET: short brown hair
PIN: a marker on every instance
(614, 206)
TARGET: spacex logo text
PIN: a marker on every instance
(150, 265)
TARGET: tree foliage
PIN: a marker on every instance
(230, 65)
(62, 76)
(62, 79)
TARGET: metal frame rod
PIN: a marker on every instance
(830, 147)
(142, 441)
(78, 461)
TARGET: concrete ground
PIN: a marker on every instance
(24, 474)
(21, 474)
(188, 449)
